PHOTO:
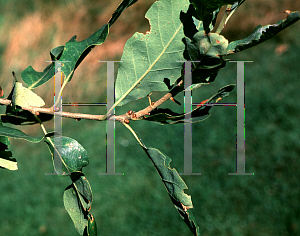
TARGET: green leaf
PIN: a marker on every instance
(262, 33)
(208, 51)
(148, 59)
(7, 163)
(174, 185)
(24, 97)
(92, 226)
(83, 189)
(18, 116)
(72, 154)
(124, 4)
(74, 52)
(16, 133)
(207, 11)
(5, 155)
(74, 209)
(166, 116)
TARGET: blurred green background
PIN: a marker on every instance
(137, 203)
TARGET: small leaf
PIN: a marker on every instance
(83, 189)
(72, 154)
(24, 97)
(92, 226)
(72, 206)
(7, 163)
(262, 33)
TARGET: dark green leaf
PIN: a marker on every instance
(207, 11)
(92, 226)
(72, 155)
(16, 133)
(147, 59)
(262, 33)
(74, 209)
(174, 185)
(22, 117)
(83, 189)
(189, 28)
(166, 116)
(124, 4)
(74, 52)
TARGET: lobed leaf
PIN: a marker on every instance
(71, 56)
(174, 185)
(262, 33)
(147, 59)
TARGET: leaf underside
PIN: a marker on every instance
(148, 59)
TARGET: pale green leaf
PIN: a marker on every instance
(149, 58)
(8, 164)
(24, 97)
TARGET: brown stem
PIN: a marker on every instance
(121, 118)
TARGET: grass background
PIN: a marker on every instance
(137, 203)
